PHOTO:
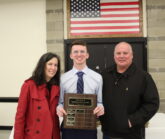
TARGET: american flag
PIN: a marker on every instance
(104, 17)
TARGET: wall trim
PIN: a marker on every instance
(8, 99)
(6, 127)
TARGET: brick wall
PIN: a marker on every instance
(55, 23)
(156, 42)
(155, 30)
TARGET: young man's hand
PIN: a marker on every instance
(60, 111)
(99, 110)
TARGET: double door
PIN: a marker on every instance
(101, 52)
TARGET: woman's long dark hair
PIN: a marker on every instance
(39, 72)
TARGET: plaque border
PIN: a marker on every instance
(93, 118)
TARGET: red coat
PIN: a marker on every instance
(34, 119)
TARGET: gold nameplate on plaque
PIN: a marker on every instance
(79, 109)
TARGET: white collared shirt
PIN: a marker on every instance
(92, 83)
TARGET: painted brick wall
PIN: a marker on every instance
(155, 29)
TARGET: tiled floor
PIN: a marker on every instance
(4, 134)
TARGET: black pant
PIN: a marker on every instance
(78, 134)
(141, 136)
(108, 137)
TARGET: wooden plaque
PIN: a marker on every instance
(79, 108)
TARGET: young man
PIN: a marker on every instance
(92, 83)
(130, 97)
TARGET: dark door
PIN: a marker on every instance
(101, 52)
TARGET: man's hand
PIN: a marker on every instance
(60, 111)
(99, 110)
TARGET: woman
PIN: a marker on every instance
(36, 116)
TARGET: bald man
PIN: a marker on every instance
(130, 97)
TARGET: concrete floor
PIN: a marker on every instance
(4, 134)
(162, 106)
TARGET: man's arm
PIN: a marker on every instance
(60, 110)
(149, 106)
(99, 110)
(99, 92)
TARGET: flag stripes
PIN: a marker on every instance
(116, 17)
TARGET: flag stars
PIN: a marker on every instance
(85, 8)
